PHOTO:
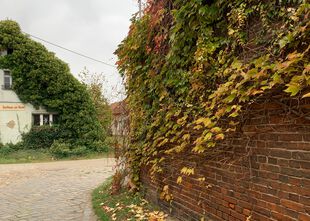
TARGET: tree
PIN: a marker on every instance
(95, 86)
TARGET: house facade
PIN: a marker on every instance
(120, 119)
(17, 117)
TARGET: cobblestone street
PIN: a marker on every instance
(53, 191)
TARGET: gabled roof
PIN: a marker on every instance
(119, 108)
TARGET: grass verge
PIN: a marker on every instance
(124, 206)
(43, 155)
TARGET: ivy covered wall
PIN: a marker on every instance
(40, 78)
(193, 67)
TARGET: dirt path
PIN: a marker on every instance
(51, 191)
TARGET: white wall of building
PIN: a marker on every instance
(15, 116)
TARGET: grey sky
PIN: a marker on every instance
(91, 27)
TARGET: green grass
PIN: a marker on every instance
(101, 197)
(42, 155)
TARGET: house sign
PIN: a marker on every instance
(12, 107)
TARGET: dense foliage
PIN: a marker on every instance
(191, 67)
(40, 137)
(40, 78)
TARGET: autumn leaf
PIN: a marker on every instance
(219, 137)
(187, 171)
(306, 95)
(206, 121)
(179, 180)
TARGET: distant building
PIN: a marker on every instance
(120, 119)
(17, 117)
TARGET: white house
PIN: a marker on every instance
(17, 117)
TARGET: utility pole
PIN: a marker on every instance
(140, 8)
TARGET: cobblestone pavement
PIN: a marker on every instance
(55, 191)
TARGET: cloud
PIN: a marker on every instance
(93, 27)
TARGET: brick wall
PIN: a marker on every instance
(264, 173)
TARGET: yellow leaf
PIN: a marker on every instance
(163, 142)
(198, 127)
(186, 136)
(198, 149)
(306, 95)
(187, 171)
(206, 121)
(216, 130)
(202, 179)
(208, 136)
(179, 180)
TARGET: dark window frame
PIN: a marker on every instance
(7, 80)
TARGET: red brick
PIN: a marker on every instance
(305, 200)
(247, 212)
(290, 137)
(301, 155)
(292, 205)
(270, 198)
(281, 217)
(281, 153)
(304, 217)
(237, 215)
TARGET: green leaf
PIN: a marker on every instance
(293, 89)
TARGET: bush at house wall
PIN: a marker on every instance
(41, 137)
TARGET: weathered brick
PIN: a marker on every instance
(279, 216)
(270, 198)
(292, 205)
(281, 153)
(290, 137)
(301, 155)
(272, 160)
(304, 217)
(247, 212)
(305, 200)
(238, 216)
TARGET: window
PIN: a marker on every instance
(36, 119)
(44, 119)
(7, 80)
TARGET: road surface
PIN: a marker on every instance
(55, 191)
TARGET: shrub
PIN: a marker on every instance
(40, 137)
(100, 146)
(60, 149)
(79, 151)
(5, 149)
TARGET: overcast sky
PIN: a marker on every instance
(90, 27)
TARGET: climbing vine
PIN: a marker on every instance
(40, 78)
(191, 67)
